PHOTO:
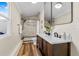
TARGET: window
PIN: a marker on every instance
(4, 21)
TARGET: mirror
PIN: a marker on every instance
(62, 13)
(57, 13)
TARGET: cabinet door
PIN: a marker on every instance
(50, 49)
(45, 48)
(40, 44)
(61, 49)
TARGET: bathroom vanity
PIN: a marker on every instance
(51, 46)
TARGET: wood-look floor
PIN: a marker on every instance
(29, 49)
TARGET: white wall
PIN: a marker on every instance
(9, 43)
(73, 29)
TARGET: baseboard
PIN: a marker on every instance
(16, 50)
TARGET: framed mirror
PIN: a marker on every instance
(57, 13)
(62, 12)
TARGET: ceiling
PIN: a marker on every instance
(30, 9)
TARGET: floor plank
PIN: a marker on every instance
(29, 49)
(21, 51)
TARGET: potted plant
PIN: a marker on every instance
(47, 28)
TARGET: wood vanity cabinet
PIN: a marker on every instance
(47, 49)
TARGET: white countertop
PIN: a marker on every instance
(53, 40)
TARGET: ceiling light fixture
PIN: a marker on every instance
(58, 5)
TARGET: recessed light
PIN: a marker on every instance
(58, 5)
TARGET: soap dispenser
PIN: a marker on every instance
(64, 35)
(69, 37)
